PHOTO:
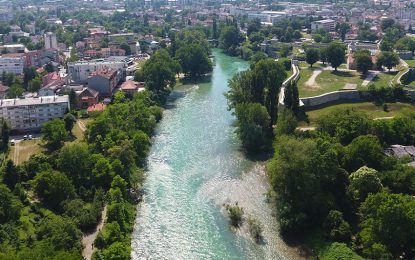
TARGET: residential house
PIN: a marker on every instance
(87, 97)
(131, 87)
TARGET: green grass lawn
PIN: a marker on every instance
(411, 63)
(383, 79)
(371, 109)
(326, 81)
(303, 64)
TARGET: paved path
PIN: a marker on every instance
(88, 240)
(311, 82)
(369, 77)
(81, 125)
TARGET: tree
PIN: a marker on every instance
(229, 39)
(160, 74)
(11, 175)
(52, 188)
(286, 124)
(117, 250)
(214, 29)
(387, 23)
(405, 43)
(338, 251)
(363, 150)
(363, 182)
(29, 73)
(343, 29)
(344, 124)
(363, 61)
(388, 59)
(10, 206)
(70, 121)
(124, 46)
(311, 56)
(54, 133)
(336, 227)
(61, 232)
(323, 55)
(253, 125)
(335, 54)
(254, 26)
(387, 226)
(193, 60)
(75, 161)
(73, 100)
(35, 84)
(5, 134)
(15, 90)
(308, 181)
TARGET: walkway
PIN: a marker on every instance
(369, 77)
(88, 240)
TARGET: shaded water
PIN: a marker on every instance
(194, 167)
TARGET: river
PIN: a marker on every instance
(195, 166)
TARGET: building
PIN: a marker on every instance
(50, 41)
(131, 87)
(104, 81)
(328, 25)
(12, 63)
(79, 72)
(4, 90)
(87, 97)
(12, 48)
(31, 113)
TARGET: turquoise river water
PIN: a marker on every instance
(195, 167)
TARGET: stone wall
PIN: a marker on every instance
(334, 97)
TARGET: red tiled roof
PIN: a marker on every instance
(97, 107)
(3, 88)
(132, 85)
(105, 72)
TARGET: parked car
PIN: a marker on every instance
(30, 137)
(12, 142)
(25, 137)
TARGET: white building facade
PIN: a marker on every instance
(79, 72)
(31, 113)
(13, 65)
(50, 41)
(328, 25)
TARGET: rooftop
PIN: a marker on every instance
(33, 101)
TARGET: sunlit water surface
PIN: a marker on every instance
(195, 166)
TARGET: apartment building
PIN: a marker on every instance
(31, 113)
(79, 72)
(328, 25)
(50, 41)
(10, 63)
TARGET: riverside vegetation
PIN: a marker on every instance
(334, 186)
(51, 199)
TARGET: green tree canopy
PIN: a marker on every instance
(54, 133)
(336, 54)
(311, 56)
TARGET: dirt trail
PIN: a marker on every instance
(311, 82)
(88, 239)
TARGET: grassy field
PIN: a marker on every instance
(383, 79)
(326, 81)
(411, 63)
(22, 150)
(372, 110)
